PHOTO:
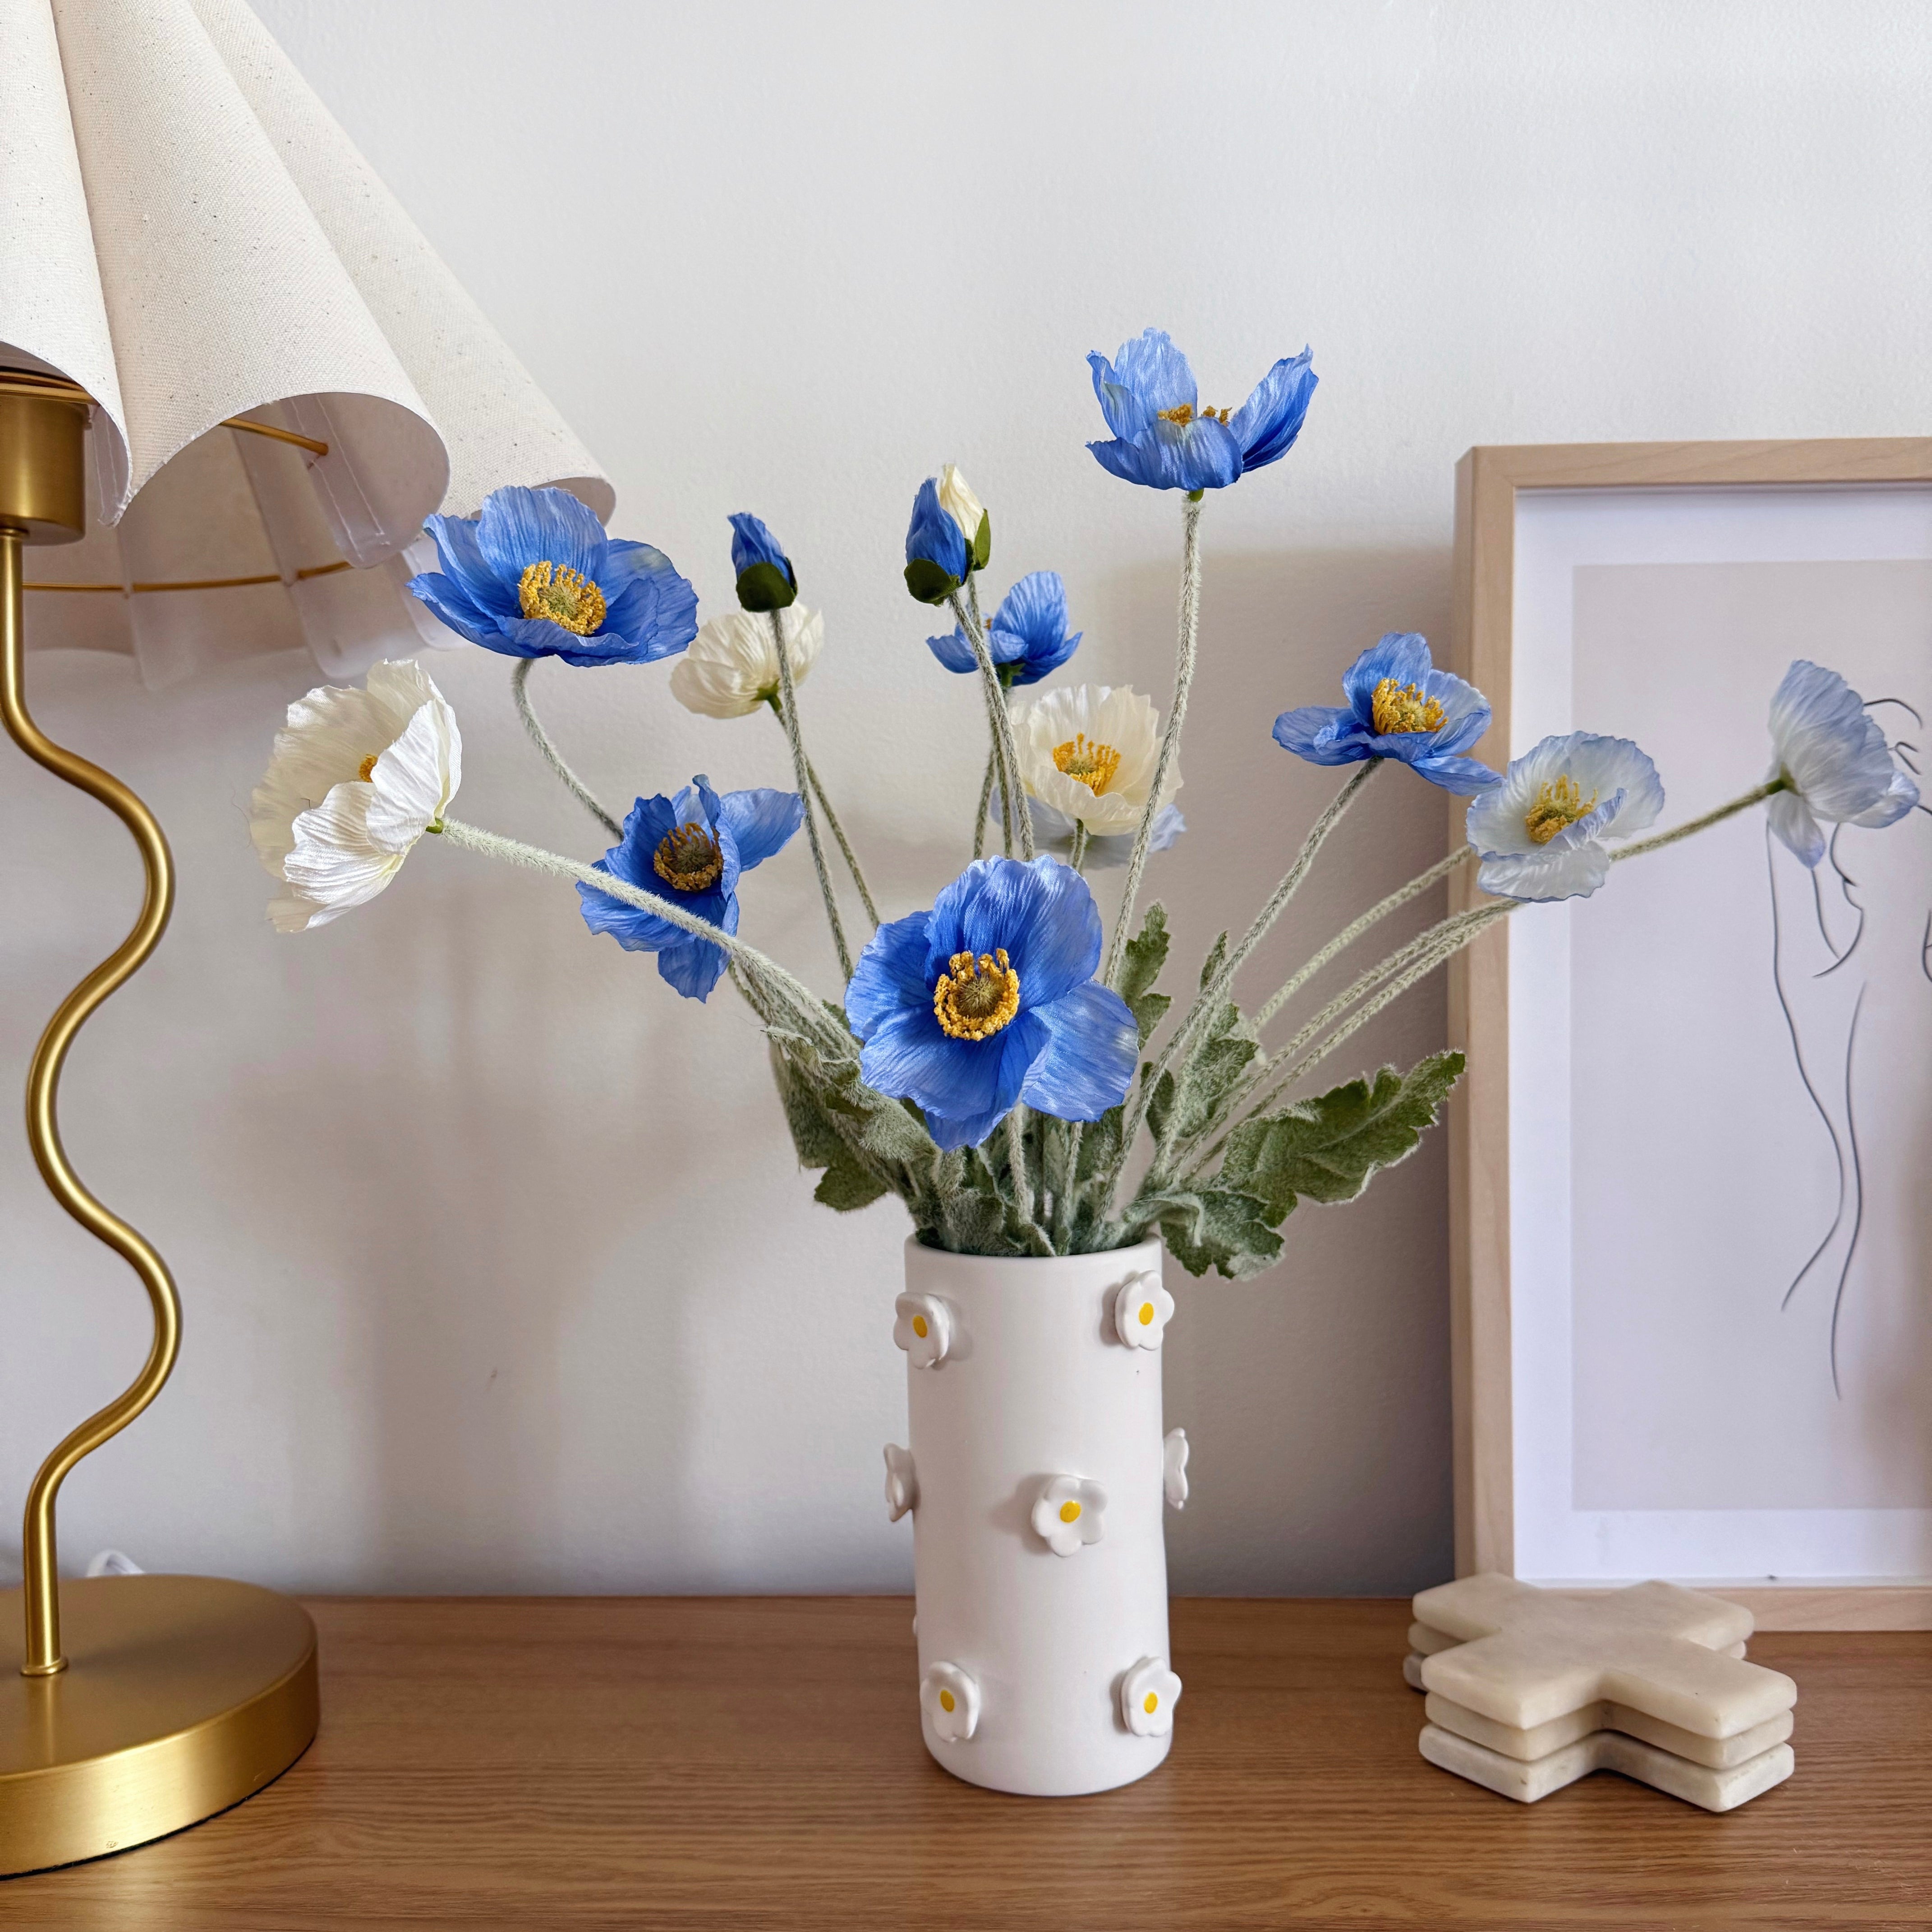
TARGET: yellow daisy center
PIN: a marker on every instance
(1558, 803)
(1185, 412)
(562, 595)
(974, 999)
(688, 857)
(1069, 1512)
(945, 1701)
(367, 767)
(1147, 1314)
(1093, 765)
(919, 1326)
(1151, 1703)
(1400, 708)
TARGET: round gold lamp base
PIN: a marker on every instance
(182, 1695)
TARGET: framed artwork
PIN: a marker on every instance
(1692, 1156)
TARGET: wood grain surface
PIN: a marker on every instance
(756, 1762)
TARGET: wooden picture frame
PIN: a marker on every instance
(1489, 481)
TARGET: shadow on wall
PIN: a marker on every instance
(500, 1272)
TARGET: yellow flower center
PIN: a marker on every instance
(919, 1326)
(1185, 412)
(1147, 1314)
(688, 857)
(1400, 708)
(562, 595)
(1151, 1703)
(1558, 803)
(974, 1004)
(1093, 765)
(1069, 1512)
(946, 1702)
(368, 767)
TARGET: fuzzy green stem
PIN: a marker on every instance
(985, 800)
(520, 680)
(1187, 645)
(801, 770)
(845, 844)
(1710, 818)
(994, 689)
(1077, 859)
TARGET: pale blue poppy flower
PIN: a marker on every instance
(533, 575)
(1028, 638)
(692, 850)
(1540, 832)
(1833, 758)
(1399, 706)
(990, 999)
(1163, 439)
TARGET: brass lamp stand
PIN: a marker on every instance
(144, 1703)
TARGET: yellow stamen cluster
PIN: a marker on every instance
(1558, 803)
(1185, 412)
(688, 858)
(971, 1004)
(562, 595)
(367, 768)
(1093, 765)
(1400, 708)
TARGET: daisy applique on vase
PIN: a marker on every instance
(1142, 1310)
(902, 1481)
(950, 1699)
(1173, 1467)
(1148, 1694)
(924, 1329)
(1068, 1513)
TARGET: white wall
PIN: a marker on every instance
(498, 1270)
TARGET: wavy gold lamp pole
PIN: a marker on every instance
(43, 1655)
(187, 1693)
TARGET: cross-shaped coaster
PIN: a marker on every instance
(1719, 1753)
(1423, 1642)
(1524, 1656)
(1607, 1751)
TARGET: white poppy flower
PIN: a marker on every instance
(356, 778)
(950, 1699)
(1540, 832)
(1148, 1694)
(1068, 1513)
(1141, 1308)
(1174, 1467)
(957, 499)
(1830, 752)
(1089, 750)
(924, 1329)
(731, 667)
(902, 1483)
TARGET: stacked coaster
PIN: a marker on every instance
(1530, 1690)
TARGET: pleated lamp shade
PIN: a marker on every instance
(188, 235)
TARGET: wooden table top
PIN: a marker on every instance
(756, 1762)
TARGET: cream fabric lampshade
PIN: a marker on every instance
(186, 233)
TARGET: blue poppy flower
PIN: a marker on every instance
(990, 999)
(1834, 760)
(1028, 637)
(766, 579)
(938, 556)
(1540, 832)
(1164, 439)
(534, 576)
(692, 849)
(1399, 706)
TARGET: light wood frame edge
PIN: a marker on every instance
(1487, 479)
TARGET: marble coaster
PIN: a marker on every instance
(1607, 1751)
(1412, 1671)
(1426, 1642)
(1525, 1656)
(1718, 1753)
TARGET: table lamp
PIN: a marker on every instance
(215, 320)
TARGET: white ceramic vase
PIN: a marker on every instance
(1037, 1478)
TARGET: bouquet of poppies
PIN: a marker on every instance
(998, 1059)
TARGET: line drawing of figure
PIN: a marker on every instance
(1845, 941)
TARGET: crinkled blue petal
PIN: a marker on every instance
(656, 613)
(890, 977)
(1899, 799)
(1044, 661)
(964, 1086)
(1791, 820)
(1464, 777)
(518, 527)
(1201, 455)
(462, 558)
(1553, 872)
(1401, 654)
(954, 652)
(444, 596)
(752, 543)
(1324, 734)
(694, 965)
(1155, 371)
(760, 822)
(1093, 1045)
(1031, 627)
(1266, 424)
(1042, 913)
